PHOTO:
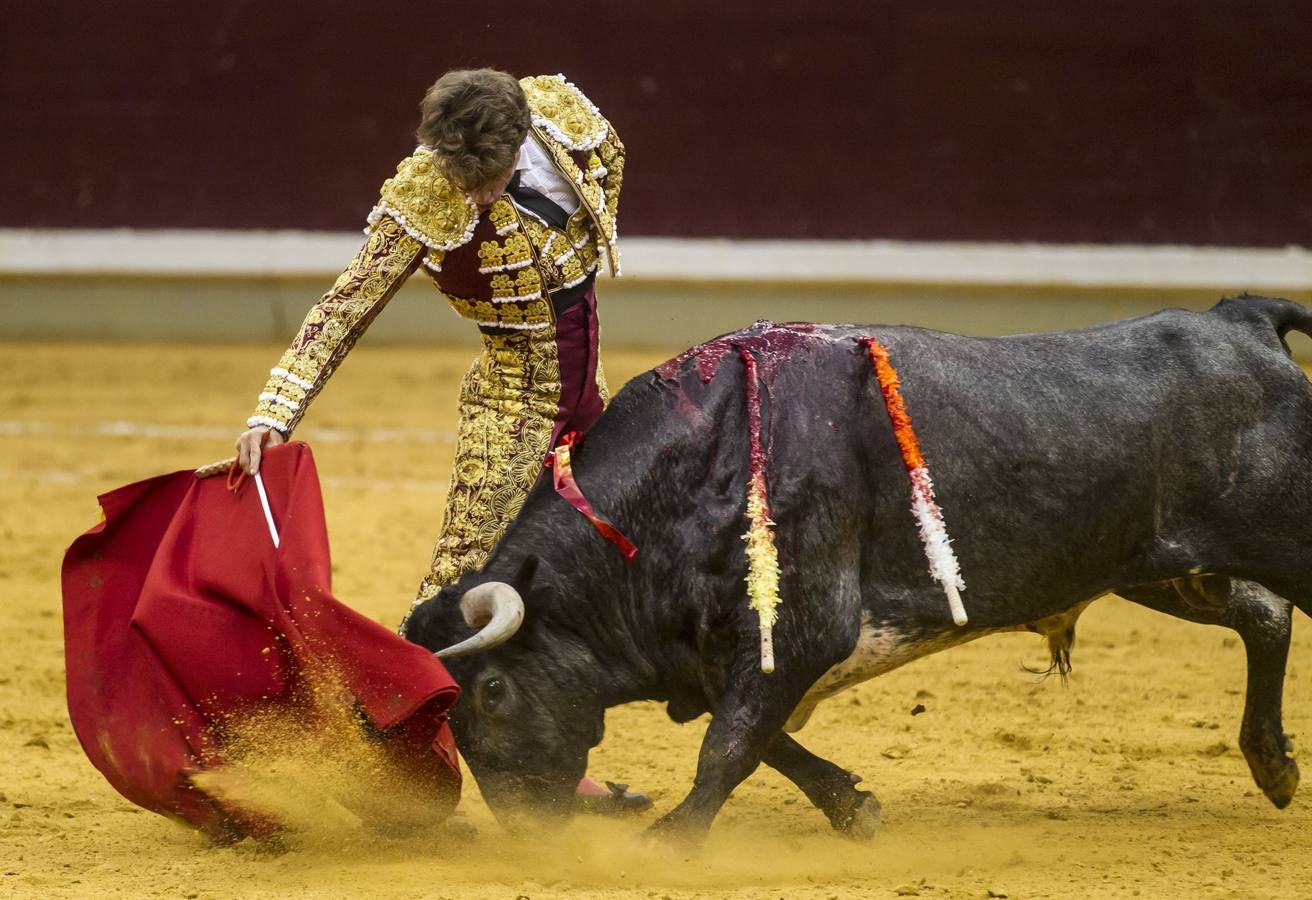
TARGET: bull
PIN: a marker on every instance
(1165, 458)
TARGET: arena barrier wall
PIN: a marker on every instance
(131, 285)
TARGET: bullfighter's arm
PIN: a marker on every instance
(611, 155)
(335, 323)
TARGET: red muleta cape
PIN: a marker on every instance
(179, 612)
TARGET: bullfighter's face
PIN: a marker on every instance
(486, 194)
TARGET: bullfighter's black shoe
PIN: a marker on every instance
(617, 802)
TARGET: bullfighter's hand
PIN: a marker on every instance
(250, 446)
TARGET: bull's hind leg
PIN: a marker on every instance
(832, 789)
(1262, 621)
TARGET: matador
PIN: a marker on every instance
(511, 218)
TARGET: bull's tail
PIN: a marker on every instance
(1283, 316)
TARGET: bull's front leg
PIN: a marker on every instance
(832, 789)
(750, 715)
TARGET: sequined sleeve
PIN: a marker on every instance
(611, 155)
(335, 323)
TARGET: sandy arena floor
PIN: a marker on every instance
(1125, 783)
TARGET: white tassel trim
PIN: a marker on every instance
(382, 209)
(508, 267)
(294, 379)
(507, 228)
(517, 326)
(431, 265)
(536, 295)
(280, 400)
(582, 278)
(266, 422)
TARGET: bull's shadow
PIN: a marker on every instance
(1165, 458)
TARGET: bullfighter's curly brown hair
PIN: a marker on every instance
(474, 121)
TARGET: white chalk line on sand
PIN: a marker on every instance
(332, 482)
(119, 428)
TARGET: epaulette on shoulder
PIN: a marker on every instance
(430, 208)
(561, 110)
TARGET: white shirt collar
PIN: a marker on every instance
(531, 155)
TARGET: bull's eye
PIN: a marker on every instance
(493, 694)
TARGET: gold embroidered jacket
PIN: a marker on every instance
(498, 268)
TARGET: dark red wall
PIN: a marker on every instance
(1082, 120)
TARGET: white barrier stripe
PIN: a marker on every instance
(200, 253)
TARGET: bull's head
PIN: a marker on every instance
(529, 710)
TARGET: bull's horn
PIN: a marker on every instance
(496, 610)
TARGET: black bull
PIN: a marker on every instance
(1165, 458)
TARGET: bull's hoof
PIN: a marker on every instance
(1274, 771)
(675, 832)
(862, 823)
(1280, 789)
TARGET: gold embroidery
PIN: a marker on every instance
(559, 106)
(578, 230)
(432, 209)
(525, 285)
(600, 199)
(602, 387)
(502, 215)
(508, 404)
(334, 324)
(592, 194)
(533, 313)
(611, 152)
(536, 233)
(527, 282)
(517, 250)
(565, 259)
(503, 287)
(491, 255)
(587, 256)
(571, 270)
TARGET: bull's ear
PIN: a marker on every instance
(527, 570)
(536, 582)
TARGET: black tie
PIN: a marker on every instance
(538, 204)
